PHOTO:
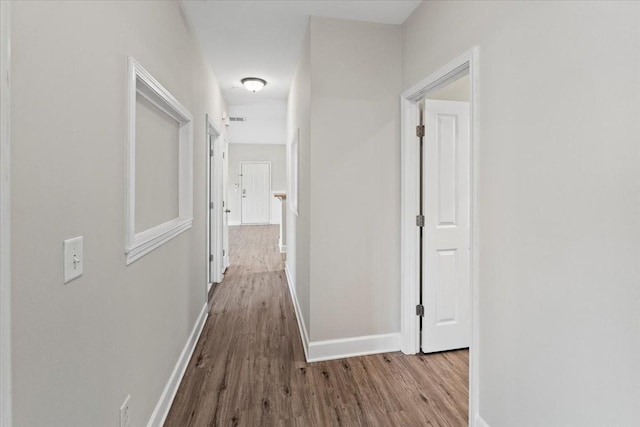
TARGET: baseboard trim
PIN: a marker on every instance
(230, 223)
(351, 347)
(301, 326)
(283, 248)
(480, 422)
(161, 410)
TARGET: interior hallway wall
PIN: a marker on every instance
(274, 153)
(355, 177)
(79, 349)
(559, 201)
(299, 225)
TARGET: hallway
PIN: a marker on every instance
(248, 368)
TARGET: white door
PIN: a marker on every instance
(446, 272)
(256, 189)
(225, 204)
(216, 215)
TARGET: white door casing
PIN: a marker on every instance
(446, 286)
(255, 195)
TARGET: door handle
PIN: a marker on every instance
(227, 211)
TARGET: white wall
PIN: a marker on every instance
(458, 90)
(265, 123)
(274, 153)
(559, 201)
(79, 349)
(355, 177)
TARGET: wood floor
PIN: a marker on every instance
(248, 368)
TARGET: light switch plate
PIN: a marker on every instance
(73, 259)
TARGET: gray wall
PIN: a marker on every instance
(79, 349)
(559, 201)
(298, 226)
(274, 153)
(355, 176)
(349, 202)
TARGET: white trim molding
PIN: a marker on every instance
(293, 171)
(138, 244)
(304, 336)
(5, 216)
(352, 347)
(161, 410)
(410, 193)
(480, 422)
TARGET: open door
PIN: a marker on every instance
(225, 215)
(446, 238)
(215, 217)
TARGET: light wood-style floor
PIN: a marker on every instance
(248, 368)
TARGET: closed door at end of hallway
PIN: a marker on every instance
(256, 189)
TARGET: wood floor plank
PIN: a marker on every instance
(248, 368)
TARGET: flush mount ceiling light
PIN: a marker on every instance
(253, 84)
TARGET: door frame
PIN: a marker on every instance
(410, 197)
(213, 215)
(5, 216)
(242, 183)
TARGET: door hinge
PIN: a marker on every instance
(420, 310)
(223, 203)
(223, 154)
(420, 220)
(210, 205)
(211, 258)
(420, 131)
(224, 253)
(211, 152)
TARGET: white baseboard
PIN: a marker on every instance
(340, 348)
(230, 223)
(350, 347)
(301, 326)
(283, 248)
(169, 393)
(480, 422)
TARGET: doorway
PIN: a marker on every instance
(439, 215)
(255, 198)
(445, 233)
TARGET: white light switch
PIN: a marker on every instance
(73, 259)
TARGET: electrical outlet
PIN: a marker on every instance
(125, 413)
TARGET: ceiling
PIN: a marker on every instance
(263, 38)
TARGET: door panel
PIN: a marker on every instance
(256, 190)
(225, 205)
(446, 287)
(216, 269)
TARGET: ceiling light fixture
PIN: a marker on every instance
(253, 84)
